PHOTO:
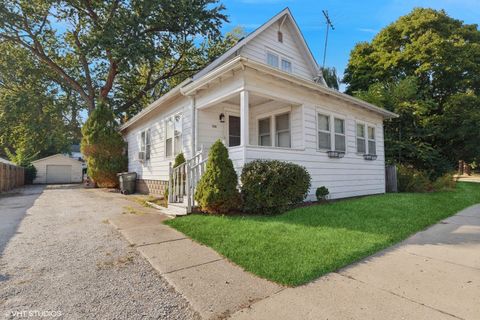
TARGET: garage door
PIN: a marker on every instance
(59, 174)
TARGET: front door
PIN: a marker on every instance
(233, 131)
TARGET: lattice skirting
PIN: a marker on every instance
(153, 187)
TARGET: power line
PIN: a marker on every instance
(329, 25)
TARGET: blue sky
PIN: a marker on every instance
(354, 21)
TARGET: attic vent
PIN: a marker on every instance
(280, 36)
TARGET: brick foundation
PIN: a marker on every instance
(153, 187)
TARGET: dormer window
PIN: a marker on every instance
(280, 36)
(272, 59)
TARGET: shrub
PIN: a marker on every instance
(30, 173)
(103, 147)
(322, 193)
(270, 186)
(216, 191)
(179, 159)
(445, 182)
(412, 180)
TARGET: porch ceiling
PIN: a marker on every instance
(254, 100)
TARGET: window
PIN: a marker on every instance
(339, 134)
(264, 136)
(173, 136)
(324, 141)
(371, 141)
(145, 144)
(282, 130)
(361, 148)
(286, 66)
(272, 59)
(233, 131)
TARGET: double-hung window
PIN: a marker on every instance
(173, 136)
(264, 134)
(339, 134)
(331, 137)
(145, 144)
(286, 65)
(361, 141)
(272, 59)
(324, 138)
(282, 130)
(372, 148)
(279, 135)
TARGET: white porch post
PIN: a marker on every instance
(244, 106)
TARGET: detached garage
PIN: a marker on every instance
(58, 169)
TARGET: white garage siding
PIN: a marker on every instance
(58, 169)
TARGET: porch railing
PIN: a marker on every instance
(184, 179)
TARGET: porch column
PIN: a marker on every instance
(244, 106)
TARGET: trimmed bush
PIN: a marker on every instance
(179, 159)
(216, 191)
(322, 193)
(103, 147)
(270, 186)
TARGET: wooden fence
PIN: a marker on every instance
(391, 178)
(11, 177)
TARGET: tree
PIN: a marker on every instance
(35, 118)
(420, 67)
(92, 45)
(441, 52)
(103, 147)
(331, 78)
(216, 191)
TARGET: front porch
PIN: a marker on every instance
(251, 125)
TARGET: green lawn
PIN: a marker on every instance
(303, 244)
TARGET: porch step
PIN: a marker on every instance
(176, 209)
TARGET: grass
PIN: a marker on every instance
(302, 244)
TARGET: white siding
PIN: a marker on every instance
(59, 160)
(290, 48)
(157, 167)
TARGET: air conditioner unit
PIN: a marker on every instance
(141, 156)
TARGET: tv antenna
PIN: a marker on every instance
(329, 25)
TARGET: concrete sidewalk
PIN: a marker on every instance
(214, 287)
(434, 274)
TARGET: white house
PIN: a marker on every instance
(266, 99)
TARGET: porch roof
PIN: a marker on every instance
(242, 62)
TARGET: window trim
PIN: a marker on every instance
(144, 146)
(271, 115)
(269, 52)
(344, 134)
(331, 118)
(366, 139)
(289, 130)
(166, 120)
(374, 139)
(329, 131)
(280, 58)
(259, 135)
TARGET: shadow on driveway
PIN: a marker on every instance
(14, 206)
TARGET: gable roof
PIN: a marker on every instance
(284, 14)
(56, 156)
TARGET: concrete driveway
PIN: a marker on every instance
(435, 274)
(61, 259)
